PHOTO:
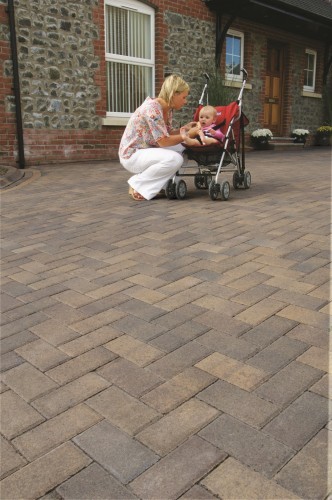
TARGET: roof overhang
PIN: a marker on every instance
(289, 16)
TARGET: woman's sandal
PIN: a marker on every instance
(135, 195)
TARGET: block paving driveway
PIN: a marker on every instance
(166, 349)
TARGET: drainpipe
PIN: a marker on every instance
(16, 84)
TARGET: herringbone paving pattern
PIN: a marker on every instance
(166, 349)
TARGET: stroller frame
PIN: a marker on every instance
(213, 161)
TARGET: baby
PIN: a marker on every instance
(203, 132)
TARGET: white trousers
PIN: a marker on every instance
(153, 167)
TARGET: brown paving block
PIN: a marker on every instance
(11, 460)
(246, 282)
(232, 371)
(310, 265)
(178, 360)
(274, 261)
(220, 322)
(310, 335)
(141, 309)
(123, 410)
(28, 382)
(76, 367)
(129, 377)
(65, 314)
(22, 324)
(134, 350)
(93, 482)
(167, 397)
(282, 272)
(307, 474)
(311, 409)
(322, 292)
(245, 406)
(107, 290)
(260, 311)
(41, 354)
(180, 299)
(10, 360)
(289, 284)
(17, 415)
(268, 331)
(251, 447)
(111, 447)
(144, 294)
(25, 277)
(54, 332)
(254, 294)
(146, 281)
(277, 355)
(323, 386)
(186, 465)
(181, 285)
(316, 357)
(233, 347)
(227, 307)
(97, 321)
(104, 304)
(178, 317)
(299, 299)
(173, 429)
(73, 298)
(234, 480)
(50, 434)
(26, 309)
(175, 338)
(138, 328)
(305, 316)
(17, 340)
(70, 395)
(90, 340)
(197, 492)
(34, 480)
(289, 383)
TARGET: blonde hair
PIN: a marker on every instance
(173, 84)
(207, 109)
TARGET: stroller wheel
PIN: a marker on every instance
(214, 190)
(236, 180)
(170, 190)
(247, 180)
(225, 190)
(181, 190)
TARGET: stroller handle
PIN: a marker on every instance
(245, 73)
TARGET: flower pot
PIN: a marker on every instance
(323, 140)
(300, 139)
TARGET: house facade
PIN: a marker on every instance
(72, 72)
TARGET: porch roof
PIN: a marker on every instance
(311, 18)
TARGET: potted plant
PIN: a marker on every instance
(323, 135)
(260, 138)
(300, 135)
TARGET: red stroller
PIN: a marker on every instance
(214, 160)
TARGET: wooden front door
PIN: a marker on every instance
(273, 88)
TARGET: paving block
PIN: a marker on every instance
(42, 355)
(241, 404)
(50, 434)
(174, 428)
(69, 395)
(129, 377)
(299, 299)
(310, 335)
(141, 309)
(17, 416)
(28, 382)
(54, 332)
(173, 363)
(134, 350)
(323, 386)
(316, 357)
(307, 474)
(124, 411)
(254, 294)
(11, 460)
(260, 311)
(35, 479)
(10, 360)
(252, 447)
(23, 324)
(305, 316)
(310, 409)
(178, 317)
(138, 328)
(197, 492)
(232, 371)
(97, 321)
(17, 340)
(111, 448)
(222, 323)
(227, 307)
(89, 341)
(233, 480)
(93, 482)
(85, 363)
(233, 347)
(277, 355)
(185, 466)
(288, 383)
(268, 331)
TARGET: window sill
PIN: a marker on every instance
(114, 121)
(237, 84)
(305, 93)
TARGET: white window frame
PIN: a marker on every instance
(110, 57)
(231, 76)
(311, 88)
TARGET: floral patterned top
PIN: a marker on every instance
(145, 127)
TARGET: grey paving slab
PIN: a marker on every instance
(182, 345)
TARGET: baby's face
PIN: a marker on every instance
(206, 118)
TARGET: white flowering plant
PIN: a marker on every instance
(300, 132)
(262, 133)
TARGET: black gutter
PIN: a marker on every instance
(16, 83)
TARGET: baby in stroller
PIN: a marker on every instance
(206, 131)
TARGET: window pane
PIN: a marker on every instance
(128, 85)
(309, 71)
(233, 55)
